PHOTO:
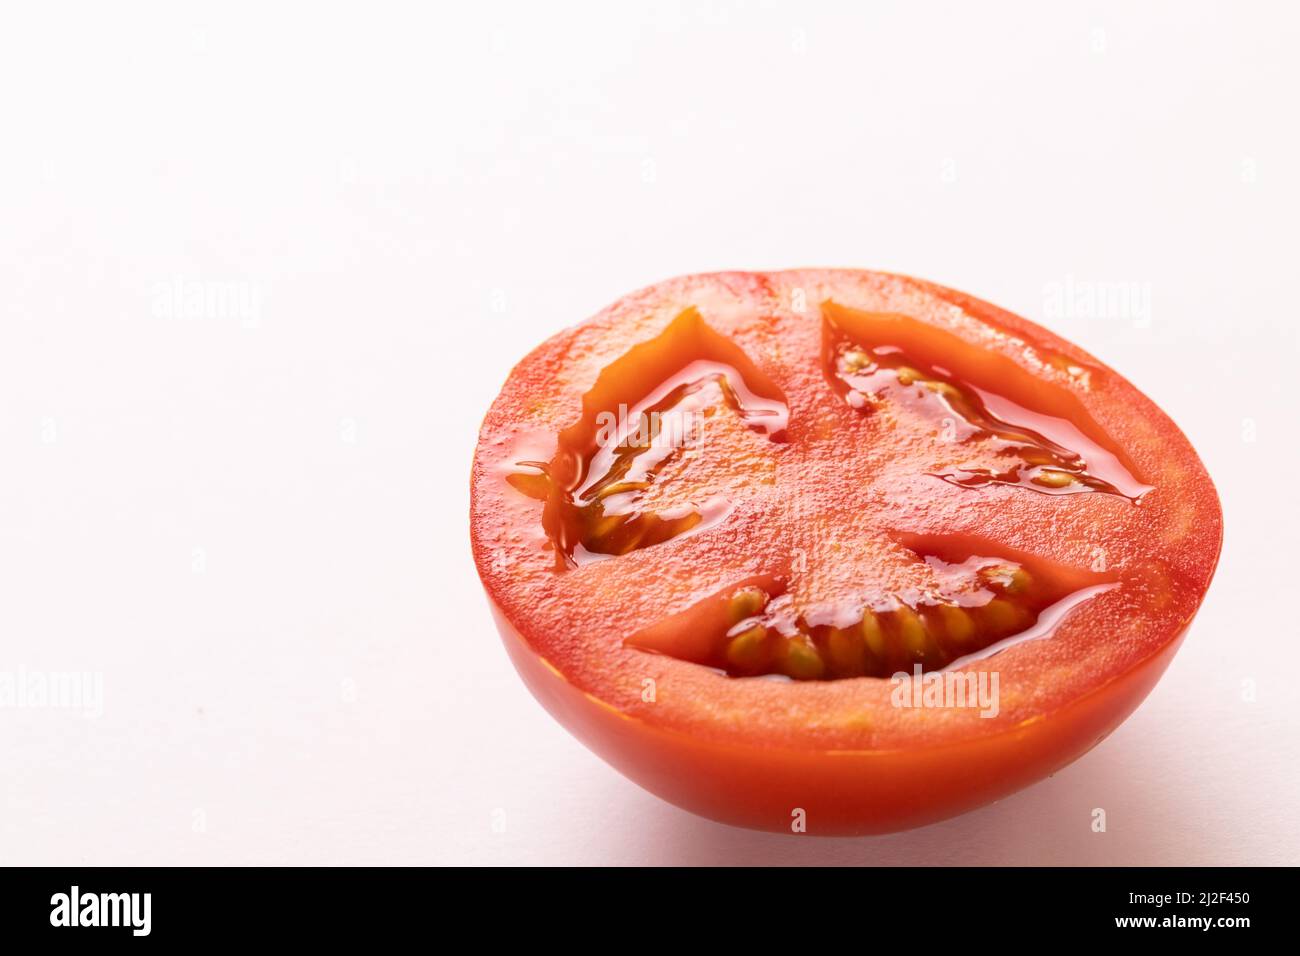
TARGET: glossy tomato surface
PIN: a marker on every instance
(832, 550)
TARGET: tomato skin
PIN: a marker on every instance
(843, 793)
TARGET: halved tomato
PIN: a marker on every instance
(834, 551)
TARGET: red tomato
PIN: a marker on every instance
(834, 550)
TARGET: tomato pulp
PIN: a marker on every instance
(833, 550)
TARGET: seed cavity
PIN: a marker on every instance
(608, 489)
(1040, 431)
(977, 601)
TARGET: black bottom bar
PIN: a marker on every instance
(336, 905)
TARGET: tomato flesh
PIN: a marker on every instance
(717, 520)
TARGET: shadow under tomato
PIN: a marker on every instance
(1150, 820)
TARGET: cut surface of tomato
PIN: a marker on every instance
(834, 546)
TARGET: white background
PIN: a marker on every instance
(250, 516)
